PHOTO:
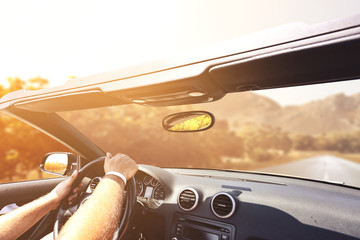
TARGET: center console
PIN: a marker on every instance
(187, 227)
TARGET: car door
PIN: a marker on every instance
(23, 192)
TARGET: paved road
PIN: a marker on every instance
(329, 168)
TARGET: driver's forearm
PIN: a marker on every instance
(18, 221)
(94, 219)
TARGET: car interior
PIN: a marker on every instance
(200, 203)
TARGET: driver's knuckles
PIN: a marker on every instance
(121, 163)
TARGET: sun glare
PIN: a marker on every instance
(57, 39)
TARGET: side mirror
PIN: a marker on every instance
(59, 163)
(192, 121)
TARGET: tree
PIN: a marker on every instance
(23, 146)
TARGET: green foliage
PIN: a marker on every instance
(16, 83)
(303, 142)
(343, 142)
(22, 146)
(264, 143)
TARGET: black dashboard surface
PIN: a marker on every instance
(267, 206)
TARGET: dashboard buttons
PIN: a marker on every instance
(179, 228)
(225, 230)
(225, 237)
(191, 227)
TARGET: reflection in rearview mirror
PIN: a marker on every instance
(193, 121)
(59, 163)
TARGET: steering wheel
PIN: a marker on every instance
(94, 169)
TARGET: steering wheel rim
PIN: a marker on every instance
(89, 170)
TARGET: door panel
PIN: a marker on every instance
(24, 192)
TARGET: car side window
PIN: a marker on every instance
(21, 150)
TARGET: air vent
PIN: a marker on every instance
(223, 205)
(94, 182)
(188, 199)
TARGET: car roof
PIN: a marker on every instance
(290, 55)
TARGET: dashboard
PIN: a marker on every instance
(195, 204)
(149, 191)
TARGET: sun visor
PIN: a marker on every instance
(178, 86)
(296, 65)
(69, 102)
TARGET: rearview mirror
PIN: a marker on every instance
(193, 121)
(59, 163)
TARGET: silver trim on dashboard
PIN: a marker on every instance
(93, 180)
(233, 205)
(196, 199)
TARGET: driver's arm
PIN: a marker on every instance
(98, 217)
(18, 221)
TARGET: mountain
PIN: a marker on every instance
(334, 113)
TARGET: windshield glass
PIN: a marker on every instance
(309, 131)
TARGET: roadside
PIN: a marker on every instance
(325, 167)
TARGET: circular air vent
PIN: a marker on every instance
(223, 205)
(93, 183)
(188, 199)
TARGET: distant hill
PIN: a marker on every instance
(334, 113)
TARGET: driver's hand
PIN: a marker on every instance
(120, 163)
(63, 189)
(74, 194)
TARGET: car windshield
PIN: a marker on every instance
(308, 131)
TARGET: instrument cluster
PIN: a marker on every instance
(148, 190)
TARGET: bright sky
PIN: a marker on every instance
(57, 39)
